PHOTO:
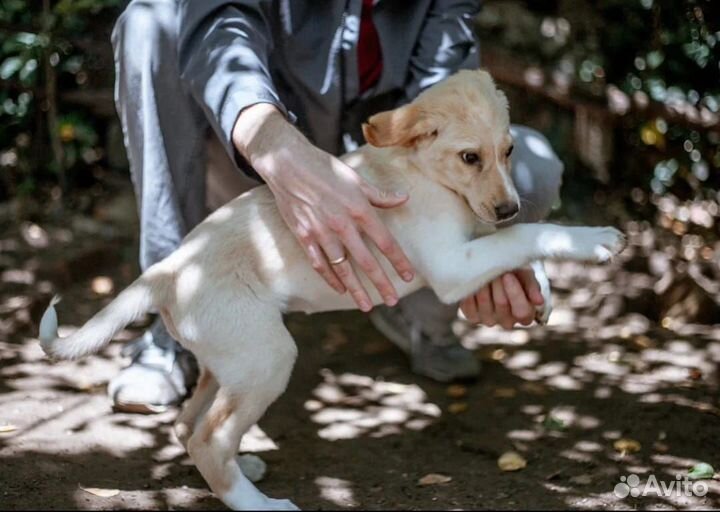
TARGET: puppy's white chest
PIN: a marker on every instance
(482, 229)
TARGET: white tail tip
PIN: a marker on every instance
(49, 325)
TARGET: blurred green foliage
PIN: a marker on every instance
(46, 50)
(667, 51)
(668, 48)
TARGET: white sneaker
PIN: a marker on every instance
(160, 374)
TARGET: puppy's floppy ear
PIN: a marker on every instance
(400, 127)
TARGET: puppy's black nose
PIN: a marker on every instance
(505, 211)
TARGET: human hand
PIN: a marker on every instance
(325, 203)
(509, 299)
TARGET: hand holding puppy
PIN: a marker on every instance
(508, 300)
(325, 203)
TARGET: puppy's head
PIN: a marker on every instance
(458, 134)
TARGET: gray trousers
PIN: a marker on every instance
(170, 148)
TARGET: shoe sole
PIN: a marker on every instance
(139, 408)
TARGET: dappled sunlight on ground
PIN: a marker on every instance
(356, 428)
(598, 378)
(350, 405)
(336, 491)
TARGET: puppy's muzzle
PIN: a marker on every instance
(507, 210)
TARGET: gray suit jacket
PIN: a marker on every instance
(301, 56)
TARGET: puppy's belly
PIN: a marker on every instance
(309, 306)
(319, 297)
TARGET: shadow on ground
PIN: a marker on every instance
(357, 429)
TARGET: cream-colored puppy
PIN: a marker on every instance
(222, 294)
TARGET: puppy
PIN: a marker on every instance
(223, 292)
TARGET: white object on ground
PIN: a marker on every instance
(252, 466)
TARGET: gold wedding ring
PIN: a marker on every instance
(339, 260)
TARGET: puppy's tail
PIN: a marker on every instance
(148, 291)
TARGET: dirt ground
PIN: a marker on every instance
(356, 429)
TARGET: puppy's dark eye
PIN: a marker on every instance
(470, 158)
(509, 151)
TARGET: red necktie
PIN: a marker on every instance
(369, 52)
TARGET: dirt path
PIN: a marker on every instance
(357, 429)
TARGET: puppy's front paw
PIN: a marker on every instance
(580, 243)
(274, 504)
(542, 313)
(600, 244)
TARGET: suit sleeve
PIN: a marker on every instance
(447, 43)
(223, 58)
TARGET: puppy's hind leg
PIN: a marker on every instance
(250, 379)
(196, 406)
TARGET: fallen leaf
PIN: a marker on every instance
(504, 392)
(533, 388)
(626, 446)
(434, 479)
(498, 354)
(6, 429)
(334, 339)
(520, 446)
(457, 407)
(661, 447)
(701, 471)
(456, 391)
(553, 423)
(704, 407)
(102, 493)
(581, 480)
(642, 342)
(511, 461)
(695, 374)
(373, 348)
(87, 386)
(555, 474)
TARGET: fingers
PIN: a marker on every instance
(320, 264)
(383, 198)
(486, 310)
(334, 249)
(369, 264)
(504, 301)
(501, 303)
(340, 236)
(378, 232)
(347, 275)
(478, 308)
(521, 309)
(469, 308)
(531, 286)
(386, 243)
